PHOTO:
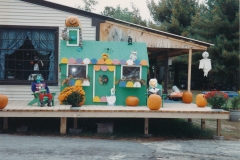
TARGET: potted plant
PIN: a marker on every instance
(235, 110)
(216, 99)
(73, 95)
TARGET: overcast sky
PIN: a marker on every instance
(140, 4)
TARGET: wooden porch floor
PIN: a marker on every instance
(169, 110)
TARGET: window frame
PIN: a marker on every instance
(86, 70)
(140, 71)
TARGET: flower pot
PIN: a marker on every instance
(234, 115)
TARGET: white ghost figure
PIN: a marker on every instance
(205, 63)
(133, 55)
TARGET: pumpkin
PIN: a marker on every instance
(3, 101)
(154, 102)
(132, 101)
(72, 21)
(187, 97)
(201, 100)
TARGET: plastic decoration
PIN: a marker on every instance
(108, 61)
(71, 61)
(144, 63)
(122, 84)
(103, 79)
(94, 61)
(79, 61)
(85, 83)
(111, 68)
(96, 99)
(86, 61)
(122, 62)
(64, 60)
(104, 68)
(97, 67)
(137, 85)
(78, 82)
(129, 62)
(101, 61)
(72, 82)
(116, 61)
(137, 62)
(129, 84)
(103, 99)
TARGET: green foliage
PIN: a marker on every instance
(125, 14)
(74, 99)
(236, 103)
(88, 5)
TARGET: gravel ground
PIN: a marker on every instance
(18, 147)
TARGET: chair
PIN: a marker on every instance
(36, 99)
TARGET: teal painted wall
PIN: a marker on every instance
(117, 50)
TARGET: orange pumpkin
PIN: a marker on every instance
(187, 97)
(72, 21)
(201, 100)
(3, 101)
(154, 102)
(132, 101)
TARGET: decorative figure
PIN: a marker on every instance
(35, 63)
(112, 98)
(153, 87)
(104, 56)
(133, 55)
(42, 88)
(65, 35)
(205, 63)
(129, 40)
(72, 21)
(103, 79)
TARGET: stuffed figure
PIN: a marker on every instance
(205, 63)
(42, 88)
(153, 87)
(133, 55)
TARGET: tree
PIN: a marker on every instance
(172, 16)
(218, 22)
(88, 5)
(125, 14)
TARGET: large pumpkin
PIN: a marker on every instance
(201, 100)
(72, 21)
(154, 102)
(132, 101)
(3, 101)
(187, 97)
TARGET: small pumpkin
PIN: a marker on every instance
(132, 101)
(201, 100)
(3, 101)
(187, 97)
(154, 102)
(72, 21)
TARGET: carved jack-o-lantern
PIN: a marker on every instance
(72, 21)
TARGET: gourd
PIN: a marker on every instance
(72, 21)
(132, 101)
(3, 101)
(201, 100)
(154, 102)
(187, 97)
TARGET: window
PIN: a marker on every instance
(26, 51)
(131, 72)
(77, 71)
(74, 36)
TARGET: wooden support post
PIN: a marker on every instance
(203, 126)
(63, 125)
(5, 123)
(75, 123)
(218, 127)
(189, 73)
(146, 126)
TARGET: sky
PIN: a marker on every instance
(140, 4)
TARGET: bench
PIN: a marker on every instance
(45, 99)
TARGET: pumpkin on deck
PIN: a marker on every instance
(72, 21)
(132, 101)
(201, 100)
(3, 101)
(187, 97)
(154, 102)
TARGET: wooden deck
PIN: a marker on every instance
(170, 110)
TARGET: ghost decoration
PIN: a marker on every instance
(133, 55)
(205, 63)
